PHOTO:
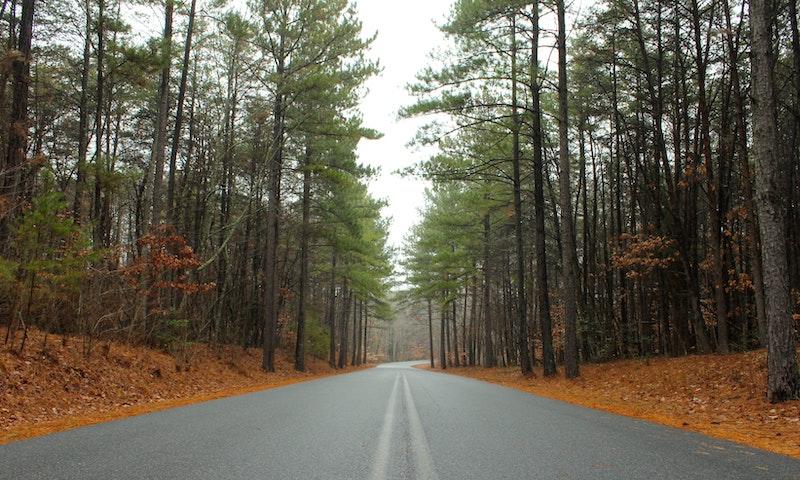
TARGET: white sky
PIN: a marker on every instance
(406, 35)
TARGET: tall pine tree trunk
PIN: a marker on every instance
(79, 203)
(15, 172)
(343, 347)
(442, 334)
(783, 379)
(570, 287)
(542, 285)
(366, 327)
(299, 350)
(332, 313)
(713, 194)
(753, 238)
(430, 332)
(271, 284)
(160, 135)
(523, 348)
(176, 135)
(489, 359)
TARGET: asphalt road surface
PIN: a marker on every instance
(390, 422)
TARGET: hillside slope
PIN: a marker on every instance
(52, 386)
(719, 395)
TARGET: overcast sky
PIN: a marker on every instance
(406, 34)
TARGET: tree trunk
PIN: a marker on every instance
(299, 350)
(753, 239)
(448, 349)
(15, 173)
(565, 195)
(430, 332)
(273, 232)
(712, 190)
(176, 135)
(523, 348)
(473, 322)
(343, 347)
(442, 332)
(366, 327)
(542, 287)
(783, 380)
(160, 135)
(489, 359)
(356, 331)
(79, 204)
(332, 313)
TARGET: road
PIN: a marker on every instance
(390, 422)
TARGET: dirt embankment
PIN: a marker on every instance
(53, 386)
(719, 395)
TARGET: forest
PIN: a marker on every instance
(189, 176)
(182, 172)
(625, 188)
(417, 239)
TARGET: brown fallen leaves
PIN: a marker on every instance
(56, 388)
(721, 396)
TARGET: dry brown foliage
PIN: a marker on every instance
(718, 395)
(642, 254)
(52, 386)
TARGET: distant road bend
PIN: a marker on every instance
(389, 422)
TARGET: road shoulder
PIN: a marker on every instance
(719, 396)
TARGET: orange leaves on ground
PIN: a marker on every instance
(718, 395)
(52, 386)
